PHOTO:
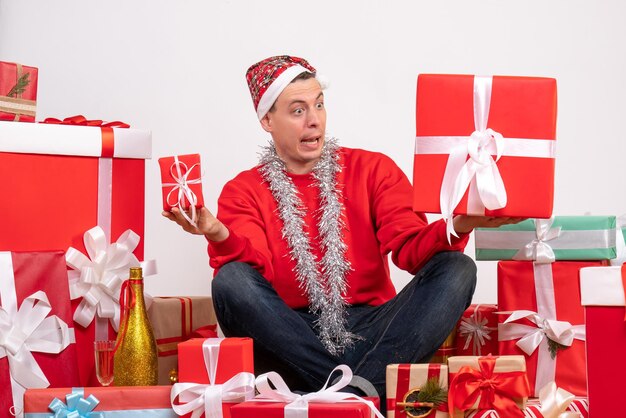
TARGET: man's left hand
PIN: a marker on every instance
(465, 223)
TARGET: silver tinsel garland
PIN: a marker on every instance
(324, 282)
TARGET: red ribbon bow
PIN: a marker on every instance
(495, 390)
(207, 331)
(127, 301)
(83, 121)
(108, 140)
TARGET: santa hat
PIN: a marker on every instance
(268, 78)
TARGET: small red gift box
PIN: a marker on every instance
(487, 382)
(228, 371)
(603, 292)
(174, 319)
(546, 323)
(404, 379)
(235, 356)
(124, 401)
(493, 134)
(181, 181)
(18, 92)
(477, 331)
(36, 349)
(83, 176)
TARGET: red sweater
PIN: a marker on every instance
(378, 216)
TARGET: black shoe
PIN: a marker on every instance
(359, 386)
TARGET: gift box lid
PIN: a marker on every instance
(444, 105)
(110, 398)
(504, 364)
(346, 409)
(89, 141)
(602, 286)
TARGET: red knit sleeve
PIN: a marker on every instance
(404, 233)
(247, 241)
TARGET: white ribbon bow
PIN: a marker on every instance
(98, 278)
(180, 173)
(474, 328)
(530, 337)
(200, 398)
(554, 402)
(208, 398)
(298, 405)
(29, 330)
(538, 249)
(480, 168)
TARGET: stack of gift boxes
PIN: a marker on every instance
(484, 146)
(72, 224)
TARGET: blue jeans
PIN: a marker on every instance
(407, 329)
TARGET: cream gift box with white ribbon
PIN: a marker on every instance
(404, 382)
(176, 319)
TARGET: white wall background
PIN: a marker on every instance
(177, 68)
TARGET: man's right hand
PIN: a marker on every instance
(208, 225)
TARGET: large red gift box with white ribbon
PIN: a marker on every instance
(545, 321)
(60, 181)
(485, 145)
(603, 292)
(36, 335)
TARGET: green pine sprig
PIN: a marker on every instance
(554, 348)
(20, 86)
(431, 391)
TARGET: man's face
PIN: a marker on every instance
(298, 125)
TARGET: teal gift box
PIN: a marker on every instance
(546, 240)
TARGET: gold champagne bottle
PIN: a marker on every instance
(135, 359)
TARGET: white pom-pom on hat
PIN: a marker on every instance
(323, 80)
